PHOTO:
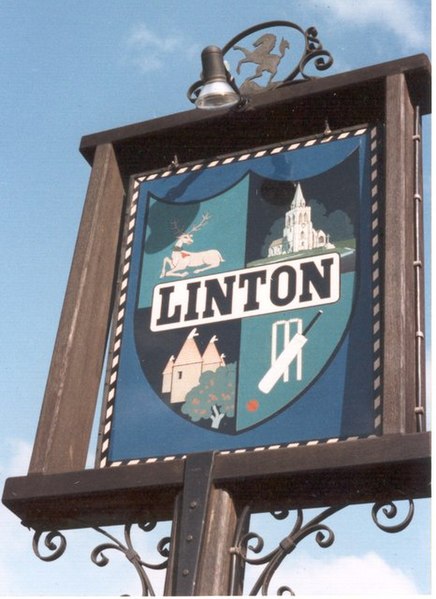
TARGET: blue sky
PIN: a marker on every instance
(73, 68)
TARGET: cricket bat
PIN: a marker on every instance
(285, 358)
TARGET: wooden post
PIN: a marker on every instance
(216, 558)
(399, 388)
(65, 424)
(204, 525)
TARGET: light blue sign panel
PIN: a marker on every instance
(249, 303)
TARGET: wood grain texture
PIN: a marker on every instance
(390, 467)
(399, 371)
(292, 111)
(64, 428)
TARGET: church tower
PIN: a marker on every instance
(298, 233)
(298, 230)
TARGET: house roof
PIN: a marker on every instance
(189, 354)
(211, 354)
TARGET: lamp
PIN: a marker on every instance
(217, 89)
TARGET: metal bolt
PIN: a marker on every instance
(189, 538)
(193, 505)
(185, 572)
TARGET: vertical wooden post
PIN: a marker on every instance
(65, 423)
(216, 558)
(399, 387)
(204, 525)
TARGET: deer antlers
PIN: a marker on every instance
(201, 224)
(181, 231)
(176, 229)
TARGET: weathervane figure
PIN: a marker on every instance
(263, 57)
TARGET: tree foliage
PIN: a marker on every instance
(214, 397)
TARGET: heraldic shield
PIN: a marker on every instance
(249, 319)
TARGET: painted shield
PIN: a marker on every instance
(249, 316)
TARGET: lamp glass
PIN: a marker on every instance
(217, 94)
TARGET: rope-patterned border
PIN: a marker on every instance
(376, 266)
(111, 384)
(118, 326)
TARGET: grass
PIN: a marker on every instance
(341, 247)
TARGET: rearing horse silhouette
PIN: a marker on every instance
(262, 56)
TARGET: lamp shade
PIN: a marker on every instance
(217, 91)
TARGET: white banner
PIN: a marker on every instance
(274, 287)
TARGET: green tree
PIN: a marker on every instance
(214, 397)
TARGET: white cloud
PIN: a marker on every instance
(401, 17)
(149, 51)
(143, 37)
(352, 575)
(18, 452)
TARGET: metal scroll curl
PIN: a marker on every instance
(323, 60)
(54, 541)
(390, 512)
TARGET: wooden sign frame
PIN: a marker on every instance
(59, 493)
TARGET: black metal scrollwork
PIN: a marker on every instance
(323, 60)
(55, 542)
(99, 558)
(266, 59)
(244, 542)
(324, 537)
(390, 511)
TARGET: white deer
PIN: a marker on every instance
(180, 259)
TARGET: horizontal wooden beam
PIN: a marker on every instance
(354, 471)
(354, 93)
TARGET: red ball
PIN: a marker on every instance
(252, 405)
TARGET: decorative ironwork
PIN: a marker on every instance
(56, 543)
(267, 61)
(99, 558)
(244, 542)
(390, 511)
(266, 58)
(324, 537)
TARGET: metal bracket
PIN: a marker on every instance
(191, 526)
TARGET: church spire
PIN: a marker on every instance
(298, 201)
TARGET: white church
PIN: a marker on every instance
(299, 233)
